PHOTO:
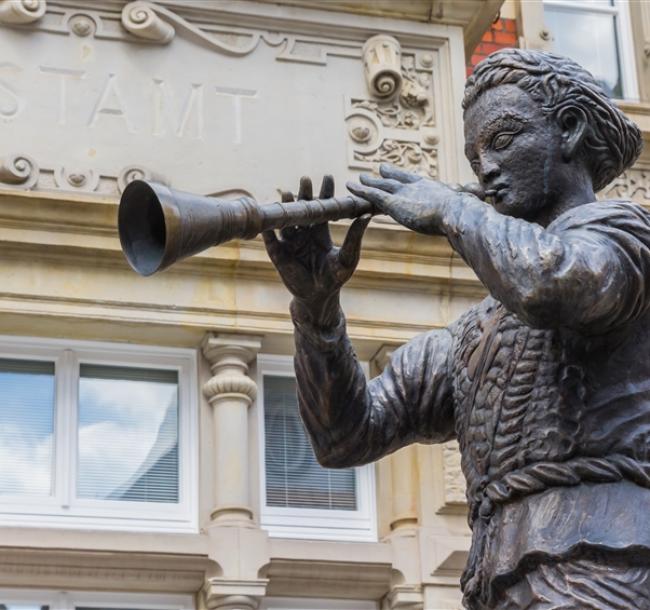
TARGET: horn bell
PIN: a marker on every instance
(158, 225)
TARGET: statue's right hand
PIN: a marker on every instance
(311, 267)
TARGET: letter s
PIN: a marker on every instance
(10, 103)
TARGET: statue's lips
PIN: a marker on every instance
(497, 193)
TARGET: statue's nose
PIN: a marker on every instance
(489, 171)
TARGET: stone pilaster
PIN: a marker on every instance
(230, 392)
(404, 470)
(406, 587)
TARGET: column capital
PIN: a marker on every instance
(227, 594)
(240, 348)
(229, 356)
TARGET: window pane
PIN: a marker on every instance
(26, 427)
(128, 434)
(590, 39)
(293, 476)
(22, 606)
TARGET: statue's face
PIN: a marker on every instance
(515, 151)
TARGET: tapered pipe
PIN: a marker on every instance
(158, 225)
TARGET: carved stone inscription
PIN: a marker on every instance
(90, 99)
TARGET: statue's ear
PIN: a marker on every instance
(573, 123)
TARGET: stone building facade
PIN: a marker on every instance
(149, 443)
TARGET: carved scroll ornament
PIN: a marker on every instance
(382, 64)
(20, 12)
(141, 20)
(18, 170)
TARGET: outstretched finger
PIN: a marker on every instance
(390, 171)
(327, 187)
(306, 191)
(385, 184)
(351, 248)
(377, 196)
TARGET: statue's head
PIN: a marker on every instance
(536, 122)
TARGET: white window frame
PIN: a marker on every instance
(312, 523)
(621, 10)
(308, 603)
(61, 508)
(64, 600)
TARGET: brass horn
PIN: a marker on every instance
(159, 226)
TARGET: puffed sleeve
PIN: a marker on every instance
(586, 271)
(352, 421)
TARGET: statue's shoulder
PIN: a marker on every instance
(607, 213)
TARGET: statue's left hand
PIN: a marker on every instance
(415, 202)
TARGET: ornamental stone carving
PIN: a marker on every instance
(137, 172)
(632, 184)
(20, 12)
(141, 20)
(382, 65)
(400, 129)
(18, 170)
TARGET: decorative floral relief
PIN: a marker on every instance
(408, 155)
(633, 184)
(414, 107)
(401, 130)
(453, 475)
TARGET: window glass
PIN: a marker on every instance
(128, 434)
(293, 476)
(23, 606)
(589, 38)
(26, 427)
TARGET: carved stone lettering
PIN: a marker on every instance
(63, 75)
(181, 92)
(10, 102)
(236, 96)
(190, 120)
(110, 103)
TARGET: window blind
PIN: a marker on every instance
(578, 30)
(293, 476)
(26, 427)
(128, 434)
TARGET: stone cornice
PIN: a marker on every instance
(86, 569)
(311, 18)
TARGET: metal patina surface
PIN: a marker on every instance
(546, 383)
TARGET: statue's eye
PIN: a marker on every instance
(503, 139)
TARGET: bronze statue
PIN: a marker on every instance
(546, 383)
